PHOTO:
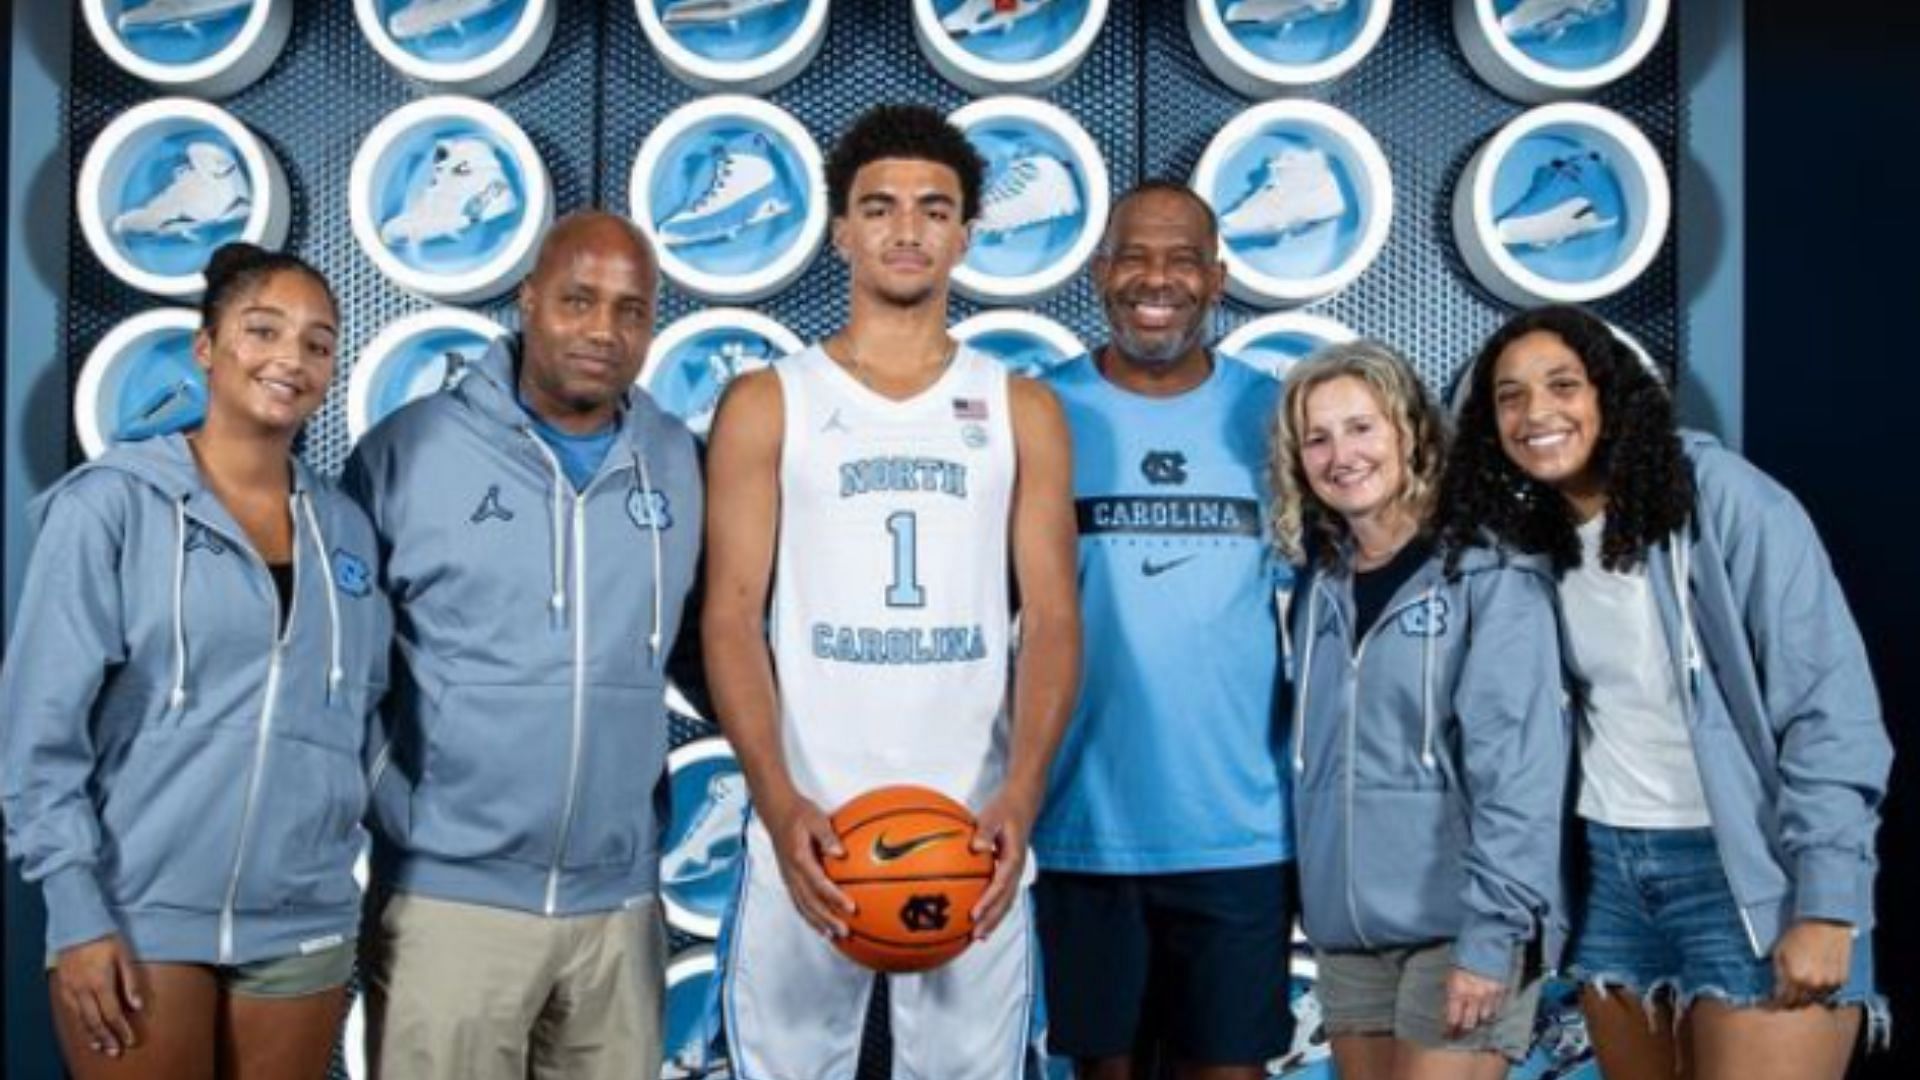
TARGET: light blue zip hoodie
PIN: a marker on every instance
(1786, 726)
(176, 769)
(528, 720)
(1430, 766)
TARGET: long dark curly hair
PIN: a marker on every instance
(1649, 485)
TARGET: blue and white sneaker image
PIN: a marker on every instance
(176, 405)
(1031, 189)
(140, 382)
(424, 18)
(744, 190)
(1299, 192)
(1280, 15)
(705, 843)
(209, 190)
(469, 185)
(713, 842)
(989, 16)
(1029, 345)
(1310, 1054)
(1560, 204)
(1551, 19)
(177, 16)
(693, 375)
(728, 13)
(692, 1019)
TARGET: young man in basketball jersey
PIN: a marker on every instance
(1164, 905)
(881, 485)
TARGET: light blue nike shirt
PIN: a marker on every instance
(1175, 759)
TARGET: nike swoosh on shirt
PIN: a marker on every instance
(1155, 569)
(884, 852)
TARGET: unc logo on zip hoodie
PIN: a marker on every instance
(528, 721)
(176, 768)
(1430, 764)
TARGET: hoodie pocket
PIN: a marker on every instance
(1409, 865)
(493, 783)
(170, 817)
(621, 762)
(306, 833)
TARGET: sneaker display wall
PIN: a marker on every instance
(1566, 204)
(1267, 48)
(1305, 200)
(449, 199)
(1028, 343)
(691, 363)
(476, 47)
(168, 182)
(731, 190)
(745, 46)
(140, 382)
(1545, 50)
(1007, 46)
(705, 843)
(201, 48)
(413, 356)
(1274, 343)
(1044, 204)
(689, 989)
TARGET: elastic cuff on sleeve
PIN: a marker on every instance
(1827, 885)
(76, 910)
(1486, 950)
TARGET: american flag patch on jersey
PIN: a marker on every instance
(969, 408)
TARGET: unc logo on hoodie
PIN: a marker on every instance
(649, 509)
(351, 574)
(1428, 618)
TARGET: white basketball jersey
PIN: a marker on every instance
(891, 616)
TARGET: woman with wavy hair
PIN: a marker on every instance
(1732, 756)
(1429, 750)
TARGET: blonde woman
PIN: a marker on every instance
(1429, 749)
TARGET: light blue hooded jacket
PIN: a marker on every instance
(1430, 767)
(1786, 725)
(176, 769)
(528, 720)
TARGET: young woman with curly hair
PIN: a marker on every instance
(1429, 748)
(1732, 754)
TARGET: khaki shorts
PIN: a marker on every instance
(1403, 993)
(285, 976)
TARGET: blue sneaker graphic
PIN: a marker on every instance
(424, 18)
(745, 191)
(180, 405)
(183, 15)
(713, 12)
(1560, 204)
(1535, 20)
(987, 16)
(1280, 14)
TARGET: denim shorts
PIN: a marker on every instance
(1658, 918)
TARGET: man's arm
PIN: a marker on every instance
(1046, 679)
(743, 506)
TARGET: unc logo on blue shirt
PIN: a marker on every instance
(649, 509)
(351, 574)
(1425, 619)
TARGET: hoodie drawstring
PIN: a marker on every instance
(557, 600)
(1679, 555)
(1306, 678)
(177, 697)
(1426, 682)
(659, 586)
(335, 672)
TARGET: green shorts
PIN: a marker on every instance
(285, 976)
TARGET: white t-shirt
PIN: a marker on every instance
(1637, 763)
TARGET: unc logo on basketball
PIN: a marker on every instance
(649, 509)
(1425, 619)
(351, 574)
(201, 538)
(925, 914)
(1164, 467)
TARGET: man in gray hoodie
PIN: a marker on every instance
(540, 524)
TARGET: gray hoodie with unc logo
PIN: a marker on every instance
(528, 725)
(177, 768)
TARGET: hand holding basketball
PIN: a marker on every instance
(914, 875)
(802, 837)
(1005, 825)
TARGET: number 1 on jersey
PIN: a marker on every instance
(905, 590)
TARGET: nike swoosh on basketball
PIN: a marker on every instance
(884, 852)
(1155, 569)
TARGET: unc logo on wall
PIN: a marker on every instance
(693, 361)
(140, 382)
(1305, 201)
(449, 199)
(705, 843)
(1044, 203)
(1264, 48)
(1028, 344)
(1007, 46)
(170, 181)
(1274, 343)
(206, 48)
(750, 46)
(465, 46)
(731, 191)
(412, 357)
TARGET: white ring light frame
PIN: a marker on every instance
(516, 257)
(1649, 205)
(119, 341)
(759, 75)
(390, 341)
(1256, 76)
(1508, 69)
(247, 57)
(1056, 122)
(489, 73)
(266, 223)
(1374, 178)
(979, 75)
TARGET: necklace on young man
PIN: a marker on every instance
(860, 371)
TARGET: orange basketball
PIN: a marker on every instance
(912, 875)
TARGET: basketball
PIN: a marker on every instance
(912, 875)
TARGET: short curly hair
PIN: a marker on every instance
(1302, 525)
(1649, 486)
(914, 132)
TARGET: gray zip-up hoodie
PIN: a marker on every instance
(528, 720)
(1430, 763)
(176, 768)
(1787, 731)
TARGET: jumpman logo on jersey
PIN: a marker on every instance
(835, 423)
(490, 507)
